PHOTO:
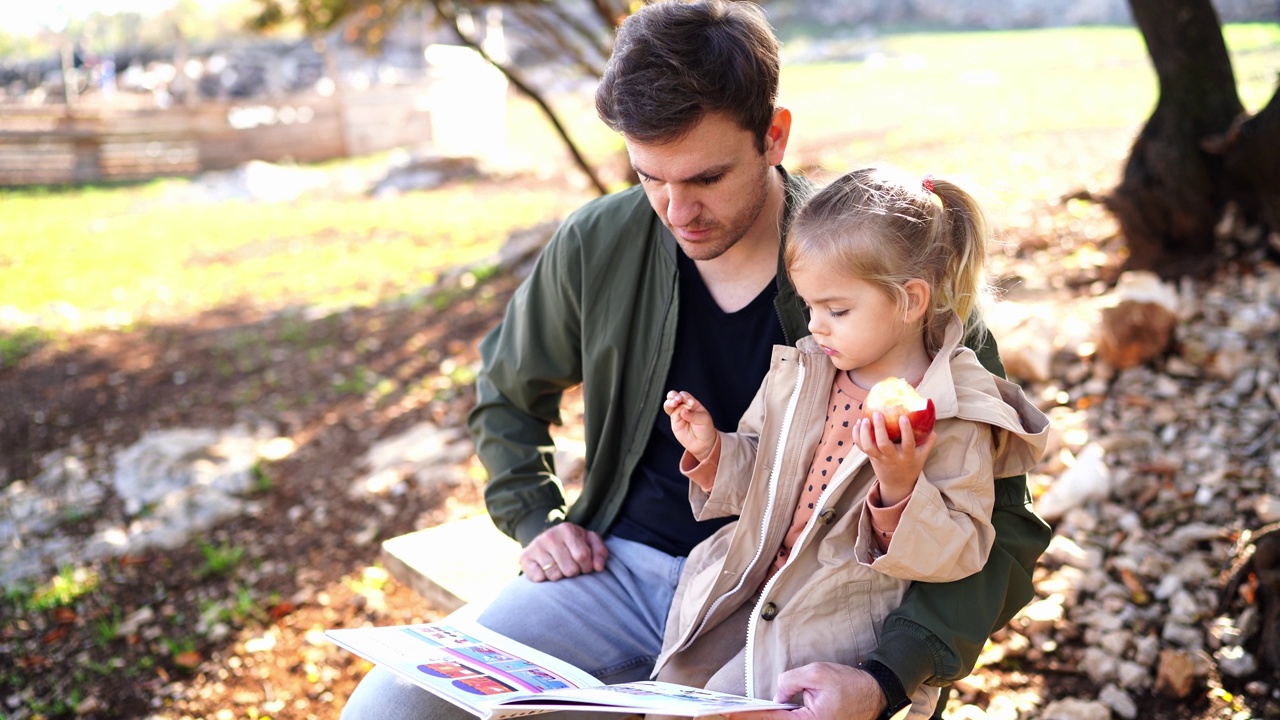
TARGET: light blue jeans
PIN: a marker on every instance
(608, 623)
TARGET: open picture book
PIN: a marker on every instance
(493, 676)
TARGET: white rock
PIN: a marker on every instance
(1087, 479)
(1193, 569)
(1100, 666)
(1119, 701)
(1168, 585)
(1187, 536)
(1184, 608)
(1146, 650)
(1144, 286)
(1133, 676)
(1080, 520)
(1235, 661)
(138, 618)
(1066, 581)
(1075, 709)
(1267, 508)
(1182, 635)
(1022, 329)
(1003, 707)
(968, 712)
(1065, 551)
(1041, 615)
(265, 643)
(1116, 643)
(424, 452)
(1101, 619)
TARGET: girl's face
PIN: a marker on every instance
(862, 328)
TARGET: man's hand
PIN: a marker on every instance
(562, 551)
(827, 691)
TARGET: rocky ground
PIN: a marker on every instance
(150, 570)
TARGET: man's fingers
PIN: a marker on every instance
(587, 553)
(565, 550)
(537, 571)
(599, 552)
(795, 681)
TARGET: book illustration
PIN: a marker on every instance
(493, 676)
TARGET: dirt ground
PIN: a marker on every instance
(100, 391)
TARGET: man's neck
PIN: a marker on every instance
(737, 277)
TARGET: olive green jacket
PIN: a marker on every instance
(600, 310)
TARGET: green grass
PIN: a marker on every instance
(133, 251)
(219, 559)
(62, 589)
(949, 87)
(978, 106)
(972, 103)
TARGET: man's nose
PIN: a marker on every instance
(682, 206)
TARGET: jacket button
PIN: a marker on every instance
(769, 611)
(826, 517)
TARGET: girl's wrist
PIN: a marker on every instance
(710, 454)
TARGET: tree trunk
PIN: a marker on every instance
(1252, 154)
(1173, 191)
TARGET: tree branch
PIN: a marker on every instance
(452, 18)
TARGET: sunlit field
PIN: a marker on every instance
(962, 103)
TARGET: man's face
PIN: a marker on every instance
(708, 186)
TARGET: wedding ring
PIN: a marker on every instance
(548, 566)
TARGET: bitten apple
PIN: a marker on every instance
(894, 397)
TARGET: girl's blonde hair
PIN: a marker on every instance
(875, 225)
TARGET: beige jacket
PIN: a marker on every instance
(829, 601)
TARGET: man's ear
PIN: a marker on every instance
(775, 138)
(919, 294)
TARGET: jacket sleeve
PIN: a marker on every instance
(935, 635)
(945, 530)
(527, 362)
(734, 467)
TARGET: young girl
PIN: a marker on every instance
(835, 519)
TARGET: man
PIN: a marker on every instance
(675, 283)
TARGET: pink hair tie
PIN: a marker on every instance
(927, 183)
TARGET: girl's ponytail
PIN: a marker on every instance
(962, 285)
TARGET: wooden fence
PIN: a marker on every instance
(54, 144)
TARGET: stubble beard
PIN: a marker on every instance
(727, 235)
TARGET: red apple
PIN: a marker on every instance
(894, 397)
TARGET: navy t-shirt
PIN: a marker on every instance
(721, 359)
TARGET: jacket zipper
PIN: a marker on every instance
(842, 474)
(774, 473)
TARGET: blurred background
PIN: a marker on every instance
(247, 248)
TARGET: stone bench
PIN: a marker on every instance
(461, 562)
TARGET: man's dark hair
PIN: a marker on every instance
(675, 62)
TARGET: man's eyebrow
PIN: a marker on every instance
(707, 174)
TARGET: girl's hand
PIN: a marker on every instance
(691, 424)
(897, 465)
